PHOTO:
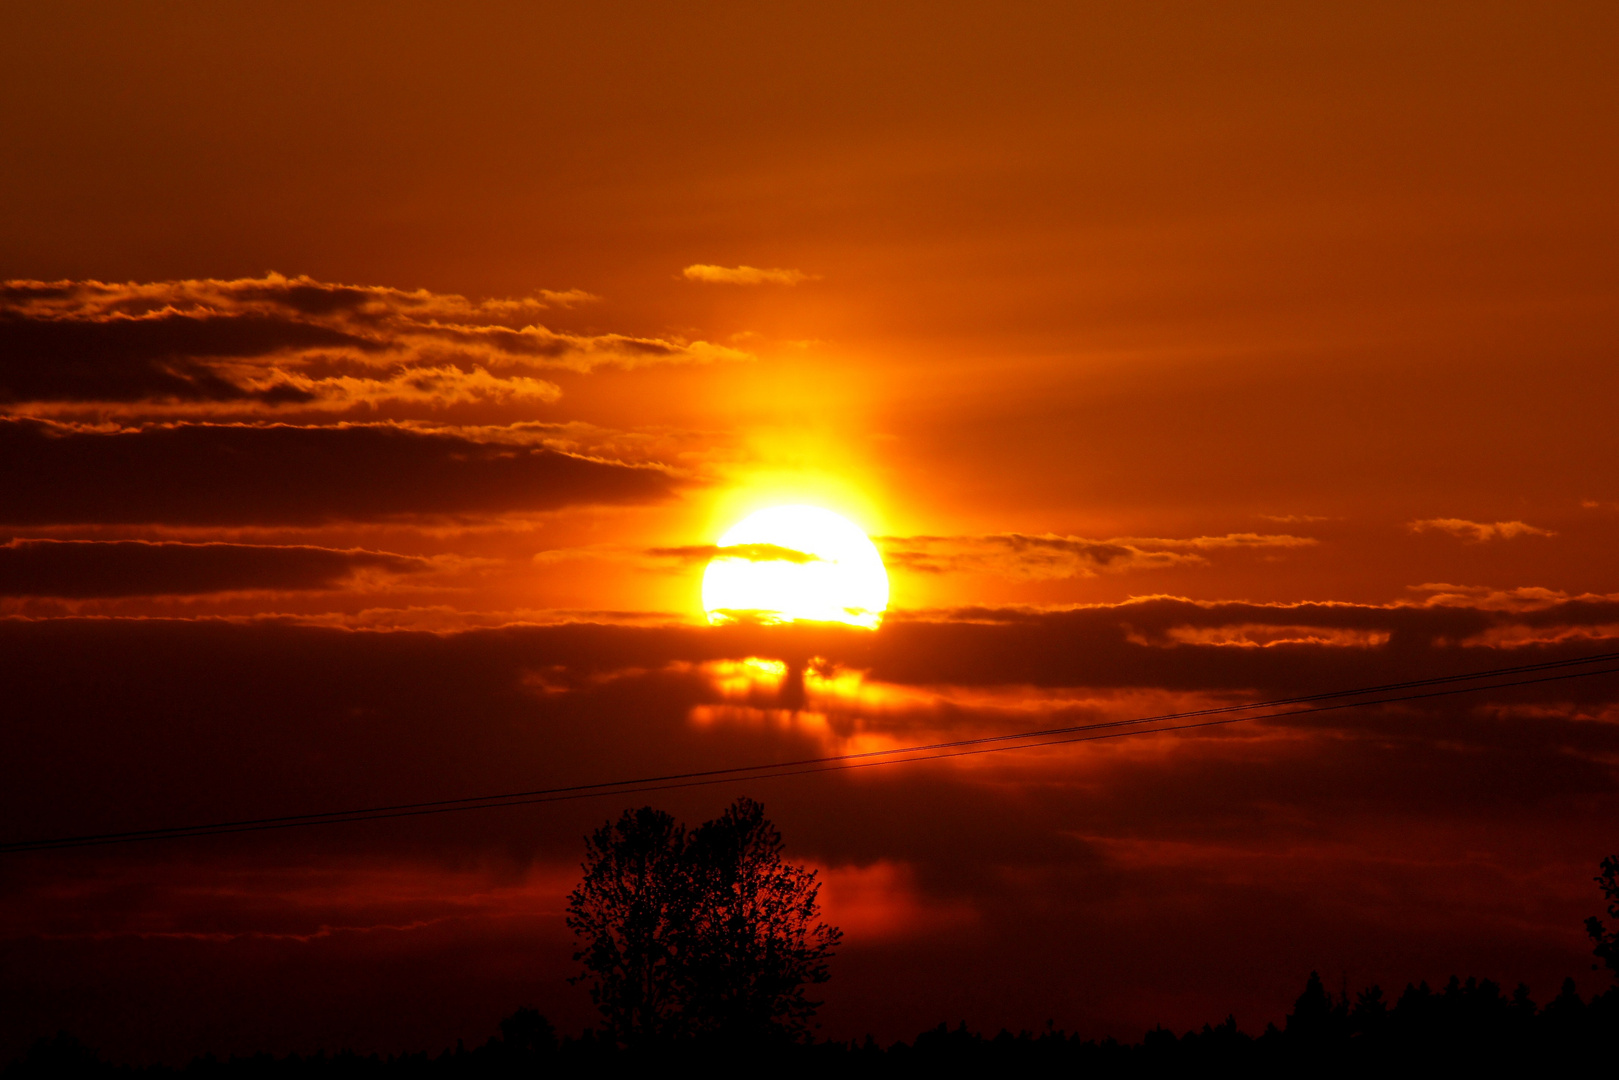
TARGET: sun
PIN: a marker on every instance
(796, 564)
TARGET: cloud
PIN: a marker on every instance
(566, 298)
(680, 558)
(166, 355)
(1022, 556)
(1433, 827)
(703, 553)
(217, 474)
(1485, 597)
(274, 341)
(744, 275)
(588, 701)
(1167, 642)
(696, 450)
(77, 569)
(1477, 532)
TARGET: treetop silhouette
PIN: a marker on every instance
(700, 934)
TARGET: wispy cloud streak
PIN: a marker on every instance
(744, 275)
(1025, 556)
(1478, 532)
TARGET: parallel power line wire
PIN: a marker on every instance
(1465, 683)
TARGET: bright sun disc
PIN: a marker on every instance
(796, 564)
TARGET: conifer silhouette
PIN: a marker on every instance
(1607, 940)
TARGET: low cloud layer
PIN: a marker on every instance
(206, 689)
(1458, 833)
(276, 341)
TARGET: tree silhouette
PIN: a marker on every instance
(755, 943)
(1607, 941)
(706, 934)
(626, 913)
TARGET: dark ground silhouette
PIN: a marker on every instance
(1469, 1025)
(684, 933)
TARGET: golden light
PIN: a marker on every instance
(796, 564)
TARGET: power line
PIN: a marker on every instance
(1358, 697)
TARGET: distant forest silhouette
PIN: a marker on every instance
(698, 945)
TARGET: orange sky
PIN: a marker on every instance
(354, 390)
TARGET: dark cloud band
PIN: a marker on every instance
(219, 474)
(166, 357)
(79, 569)
(238, 709)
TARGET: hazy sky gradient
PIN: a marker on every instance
(365, 372)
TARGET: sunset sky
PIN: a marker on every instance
(376, 381)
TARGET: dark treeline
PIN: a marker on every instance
(1468, 1024)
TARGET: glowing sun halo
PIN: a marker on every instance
(796, 564)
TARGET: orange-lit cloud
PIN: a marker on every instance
(1478, 532)
(275, 342)
(743, 275)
